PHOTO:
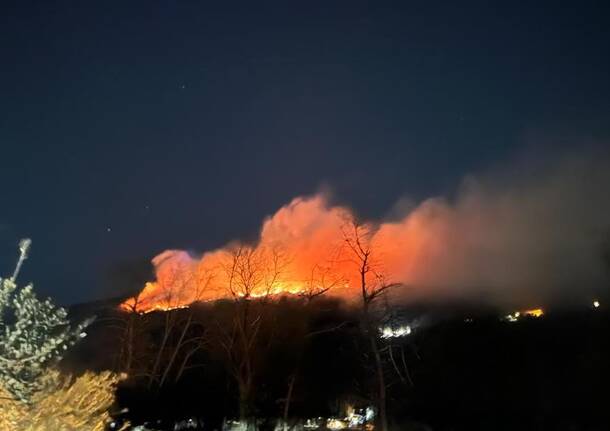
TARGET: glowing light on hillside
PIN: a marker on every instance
(511, 318)
(395, 332)
(335, 424)
(596, 304)
(301, 250)
(534, 312)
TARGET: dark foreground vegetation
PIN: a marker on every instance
(457, 370)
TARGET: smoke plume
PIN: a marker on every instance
(531, 232)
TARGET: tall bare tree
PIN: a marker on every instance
(129, 323)
(253, 275)
(179, 339)
(372, 284)
(173, 332)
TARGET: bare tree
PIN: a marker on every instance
(321, 280)
(177, 339)
(180, 336)
(129, 323)
(253, 275)
(372, 284)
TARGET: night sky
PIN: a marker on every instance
(128, 127)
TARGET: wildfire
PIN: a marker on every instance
(534, 312)
(301, 251)
(436, 249)
(150, 300)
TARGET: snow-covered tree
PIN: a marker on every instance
(34, 334)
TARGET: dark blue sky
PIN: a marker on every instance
(182, 124)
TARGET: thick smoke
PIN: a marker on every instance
(531, 233)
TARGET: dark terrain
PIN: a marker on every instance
(467, 369)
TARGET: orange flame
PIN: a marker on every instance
(303, 243)
(535, 312)
(436, 249)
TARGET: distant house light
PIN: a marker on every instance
(395, 332)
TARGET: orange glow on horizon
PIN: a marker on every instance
(534, 312)
(301, 251)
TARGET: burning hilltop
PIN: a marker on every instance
(519, 237)
(299, 252)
